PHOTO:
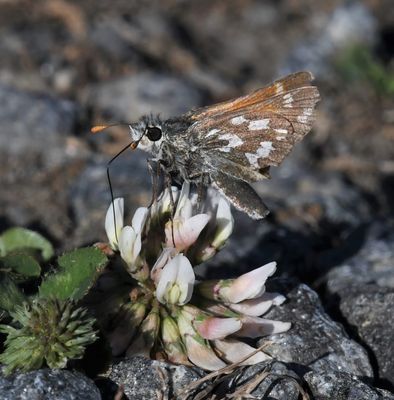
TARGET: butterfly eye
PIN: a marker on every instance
(153, 133)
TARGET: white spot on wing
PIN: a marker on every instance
(238, 120)
(233, 141)
(281, 131)
(303, 119)
(262, 152)
(213, 132)
(258, 124)
(306, 114)
(288, 100)
(279, 88)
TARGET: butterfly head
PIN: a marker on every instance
(147, 133)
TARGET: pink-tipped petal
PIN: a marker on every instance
(113, 226)
(161, 262)
(259, 306)
(249, 285)
(184, 232)
(202, 355)
(233, 351)
(254, 327)
(217, 328)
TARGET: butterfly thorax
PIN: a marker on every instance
(176, 150)
(180, 153)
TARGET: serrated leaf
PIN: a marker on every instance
(21, 238)
(21, 264)
(10, 294)
(78, 270)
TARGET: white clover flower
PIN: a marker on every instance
(224, 223)
(166, 255)
(198, 350)
(130, 238)
(114, 222)
(207, 329)
(218, 229)
(184, 228)
(176, 281)
(248, 286)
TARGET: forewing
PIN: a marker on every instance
(279, 87)
(246, 136)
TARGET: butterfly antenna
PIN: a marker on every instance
(131, 145)
(99, 128)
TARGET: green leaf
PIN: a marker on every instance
(21, 238)
(10, 294)
(79, 270)
(22, 264)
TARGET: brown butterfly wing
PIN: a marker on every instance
(240, 139)
(278, 88)
(259, 135)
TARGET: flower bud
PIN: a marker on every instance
(126, 323)
(147, 334)
(172, 341)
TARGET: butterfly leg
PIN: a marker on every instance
(154, 172)
(201, 193)
(167, 185)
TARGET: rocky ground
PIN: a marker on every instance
(66, 65)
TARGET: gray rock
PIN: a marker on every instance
(35, 124)
(296, 185)
(129, 98)
(283, 381)
(273, 381)
(342, 386)
(145, 379)
(46, 384)
(372, 263)
(361, 290)
(314, 340)
(369, 312)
